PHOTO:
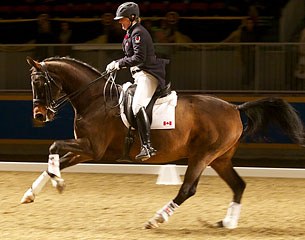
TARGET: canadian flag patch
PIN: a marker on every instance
(167, 123)
(163, 110)
(137, 39)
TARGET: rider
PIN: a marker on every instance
(147, 70)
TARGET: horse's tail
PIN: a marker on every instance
(261, 113)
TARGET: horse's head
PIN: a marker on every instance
(78, 82)
(45, 91)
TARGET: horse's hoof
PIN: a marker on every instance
(59, 184)
(218, 225)
(28, 197)
(151, 224)
(228, 225)
(155, 221)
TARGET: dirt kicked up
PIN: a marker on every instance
(114, 206)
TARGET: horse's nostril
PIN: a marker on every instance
(39, 117)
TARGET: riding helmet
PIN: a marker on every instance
(127, 9)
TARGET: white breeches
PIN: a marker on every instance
(146, 87)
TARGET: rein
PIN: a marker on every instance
(113, 86)
(55, 105)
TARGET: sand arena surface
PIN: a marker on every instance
(114, 206)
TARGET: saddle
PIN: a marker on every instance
(128, 98)
(130, 117)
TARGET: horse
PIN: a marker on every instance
(208, 131)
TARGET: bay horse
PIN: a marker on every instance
(207, 133)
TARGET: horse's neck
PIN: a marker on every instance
(76, 84)
(90, 97)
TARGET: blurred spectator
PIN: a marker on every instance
(149, 25)
(236, 7)
(249, 35)
(169, 32)
(110, 31)
(300, 70)
(246, 33)
(65, 37)
(44, 35)
(253, 13)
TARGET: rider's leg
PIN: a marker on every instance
(146, 87)
(144, 131)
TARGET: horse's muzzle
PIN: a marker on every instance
(41, 114)
(39, 117)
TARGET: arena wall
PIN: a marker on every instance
(22, 139)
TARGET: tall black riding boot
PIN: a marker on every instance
(144, 131)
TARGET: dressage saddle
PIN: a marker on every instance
(127, 103)
(128, 98)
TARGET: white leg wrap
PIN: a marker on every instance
(162, 215)
(168, 210)
(53, 165)
(231, 219)
(28, 197)
(36, 187)
(40, 182)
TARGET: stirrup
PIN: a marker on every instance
(145, 153)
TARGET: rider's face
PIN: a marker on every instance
(125, 22)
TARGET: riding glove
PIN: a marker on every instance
(113, 66)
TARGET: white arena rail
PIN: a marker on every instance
(150, 169)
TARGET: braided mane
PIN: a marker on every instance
(73, 60)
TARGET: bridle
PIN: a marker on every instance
(50, 102)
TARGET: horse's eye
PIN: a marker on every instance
(37, 83)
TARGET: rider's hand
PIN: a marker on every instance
(113, 66)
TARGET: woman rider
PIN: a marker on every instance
(147, 70)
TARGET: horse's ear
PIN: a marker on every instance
(33, 63)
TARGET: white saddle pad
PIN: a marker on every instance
(163, 111)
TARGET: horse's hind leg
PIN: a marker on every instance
(223, 166)
(188, 189)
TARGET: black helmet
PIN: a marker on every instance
(127, 9)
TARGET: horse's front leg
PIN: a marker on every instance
(69, 159)
(76, 151)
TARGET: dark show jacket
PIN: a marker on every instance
(139, 51)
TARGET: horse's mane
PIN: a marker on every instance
(73, 60)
